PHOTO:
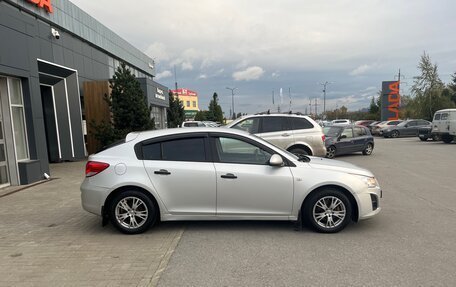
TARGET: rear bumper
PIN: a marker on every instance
(93, 197)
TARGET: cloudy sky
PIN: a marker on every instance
(294, 45)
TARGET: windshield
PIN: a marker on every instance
(332, 131)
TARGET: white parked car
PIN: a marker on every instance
(340, 122)
(444, 124)
(222, 174)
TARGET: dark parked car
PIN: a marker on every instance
(408, 128)
(348, 139)
(426, 133)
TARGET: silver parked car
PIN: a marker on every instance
(222, 174)
(295, 133)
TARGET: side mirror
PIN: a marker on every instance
(342, 137)
(276, 160)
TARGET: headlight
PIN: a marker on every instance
(371, 182)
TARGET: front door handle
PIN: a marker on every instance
(162, 171)
(286, 135)
(229, 175)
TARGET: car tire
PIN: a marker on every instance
(321, 214)
(436, 138)
(331, 152)
(395, 134)
(368, 150)
(132, 212)
(423, 139)
(299, 151)
(447, 138)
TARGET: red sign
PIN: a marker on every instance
(393, 101)
(44, 4)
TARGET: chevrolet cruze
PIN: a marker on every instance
(222, 174)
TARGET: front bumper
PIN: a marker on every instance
(369, 202)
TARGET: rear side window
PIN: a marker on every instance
(444, 116)
(188, 149)
(359, 132)
(301, 124)
(274, 124)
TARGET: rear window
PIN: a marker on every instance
(301, 124)
(187, 149)
(274, 124)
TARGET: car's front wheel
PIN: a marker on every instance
(328, 211)
(368, 150)
(447, 138)
(331, 152)
(132, 212)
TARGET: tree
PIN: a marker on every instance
(128, 106)
(175, 112)
(215, 112)
(427, 89)
(452, 87)
(201, 116)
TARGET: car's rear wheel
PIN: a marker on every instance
(328, 211)
(132, 212)
(299, 151)
(331, 152)
(436, 138)
(368, 150)
(423, 139)
(394, 134)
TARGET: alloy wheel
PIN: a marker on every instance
(131, 212)
(329, 212)
(331, 152)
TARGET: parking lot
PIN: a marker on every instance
(46, 239)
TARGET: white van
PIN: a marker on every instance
(444, 124)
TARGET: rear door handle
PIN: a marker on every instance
(229, 175)
(162, 171)
(286, 135)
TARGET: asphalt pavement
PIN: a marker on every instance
(410, 243)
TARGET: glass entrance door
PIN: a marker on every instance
(4, 177)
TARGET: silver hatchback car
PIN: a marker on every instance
(222, 174)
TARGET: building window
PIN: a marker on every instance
(18, 118)
(194, 104)
(188, 103)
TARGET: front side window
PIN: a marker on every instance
(275, 124)
(231, 150)
(187, 149)
(249, 125)
(437, 117)
(18, 118)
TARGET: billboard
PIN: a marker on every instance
(391, 100)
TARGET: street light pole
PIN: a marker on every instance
(232, 100)
(324, 97)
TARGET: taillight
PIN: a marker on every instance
(323, 138)
(95, 167)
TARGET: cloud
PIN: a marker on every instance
(158, 51)
(164, 74)
(202, 76)
(251, 73)
(187, 66)
(275, 75)
(360, 70)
